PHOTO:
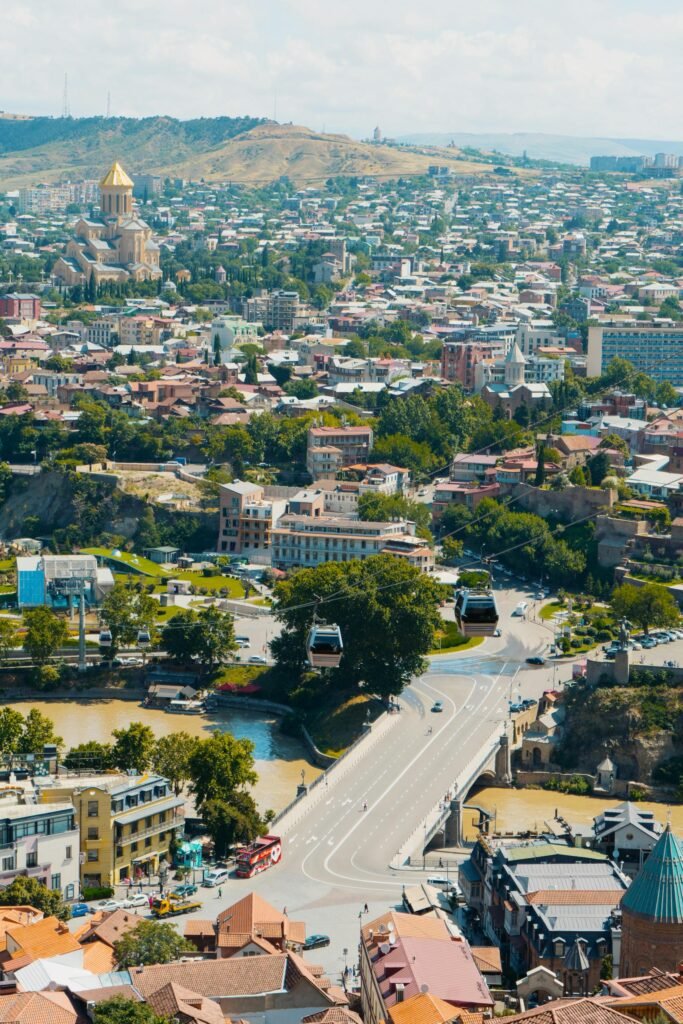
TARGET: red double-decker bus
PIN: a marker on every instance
(258, 856)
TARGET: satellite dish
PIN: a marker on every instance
(424, 988)
(385, 948)
(393, 940)
(390, 926)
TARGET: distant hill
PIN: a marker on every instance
(569, 149)
(249, 150)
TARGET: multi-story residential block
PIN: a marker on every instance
(402, 955)
(305, 540)
(246, 519)
(656, 351)
(332, 448)
(459, 359)
(40, 841)
(20, 306)
(103, 332)
(126, 823)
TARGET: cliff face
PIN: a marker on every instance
(639, 727)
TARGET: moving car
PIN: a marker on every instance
(520, 608)
(535, 660)
(441, 882)
(437, 705)
(79, 909)
(316, 941)
(137, 899)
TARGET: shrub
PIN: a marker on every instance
(97, 892)
(603, 634)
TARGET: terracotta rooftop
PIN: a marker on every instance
(37, 1008)
(253, 915)
(423, 1008)
(487, 959)
(41, 939)
(173, 1001)
(110, 927)
(572, 1011)
(576, 897)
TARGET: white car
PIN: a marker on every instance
(215, 877)
(137, 899)
(107, 905)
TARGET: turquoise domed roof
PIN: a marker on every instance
(657, 890)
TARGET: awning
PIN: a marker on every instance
(145, 857)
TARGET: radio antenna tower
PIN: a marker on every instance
(108, 104)
(65, 99)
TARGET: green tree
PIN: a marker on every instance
(45, 634)
(207, 635)
(126, 610)
(233, 820)
(220, 766)
(125, 1011)
(91, 755)
(29, 892)
(650, 605)
(152, 942)
(11, 729)
(8, 638)
(171, 758)
(383, 508)
(599, 467)
(540, 466)
(387, 610)
(38, 731)
(134, 747)
(251, 369)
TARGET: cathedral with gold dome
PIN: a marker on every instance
(117, 248)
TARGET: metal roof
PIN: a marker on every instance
(657, 890)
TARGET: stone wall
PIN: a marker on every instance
(572, 503)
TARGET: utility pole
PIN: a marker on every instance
(82, 663)
(66, 112)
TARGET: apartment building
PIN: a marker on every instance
(246, 519)
(332, 448)
(41, 841)
(402, 955)
(656, 351)
(103, 332)
(306, 540)
(126, 823)
(20, 306)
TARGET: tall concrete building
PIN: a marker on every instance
(656, 351)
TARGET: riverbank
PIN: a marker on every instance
(519, 810)
(280, 758)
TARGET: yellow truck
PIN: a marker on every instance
(173, 907)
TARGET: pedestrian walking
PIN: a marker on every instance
(365, 908)
(284, 911)
(220, 894)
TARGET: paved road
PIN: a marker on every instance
(336, 856)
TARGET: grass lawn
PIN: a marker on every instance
(548, 610)
(473, 641)
(7, 564)
(240, 675)
(137, 563)
(334, 727)
(213, 583)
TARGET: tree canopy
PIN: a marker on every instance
(125, 1011)
(29, 892)
(388, 612)
(45, 634)
(647, 606)
(151, 942)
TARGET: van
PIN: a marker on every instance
(521, 608)
(441, 882)
(216, 877)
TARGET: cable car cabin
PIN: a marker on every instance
(325, 646)
(476, 612)
(144, 638)
(105, 639)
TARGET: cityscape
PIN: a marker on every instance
(341, 518)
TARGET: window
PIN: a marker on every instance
(93, 808)
(93, 855)
(56, 881)
(93, 832)
(148, 822)
(133, 847)
(148, 841)
(8, 863)
(68, 854)
(162, 817)
(69, 894)
(133, 827)
(32, 859)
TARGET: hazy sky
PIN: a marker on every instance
(589, 67)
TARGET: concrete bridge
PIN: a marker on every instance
(491, 765)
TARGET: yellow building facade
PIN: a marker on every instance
(126, 824)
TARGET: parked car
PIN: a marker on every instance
(256, 659)
(437, 705)
(108, 905)
(242, 641)
(535, 660)
(316, 941)
(186, 889)
(136, 899)
(441, 882)
(215, 877)
(648, 643)
(79, 909)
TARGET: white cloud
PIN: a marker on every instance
(596, 67)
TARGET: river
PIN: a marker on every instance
(279, 759)
(517, 810)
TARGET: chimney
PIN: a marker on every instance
(399, 992)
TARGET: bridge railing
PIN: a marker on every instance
(299, 807)
(441, 811)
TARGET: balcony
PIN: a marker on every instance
(153, 830)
